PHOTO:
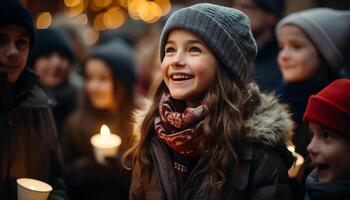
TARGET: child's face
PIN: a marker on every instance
(53, 69)
(188, 67)
(329, 152)
(14, 49)
(99, 84)
(298, 58)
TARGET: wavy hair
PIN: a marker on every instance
(230, 100)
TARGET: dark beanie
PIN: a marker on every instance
(49, 40)
(329, 31)
(273, 6)
(224, 30)
(331, 107)
(13, 12)
(120, 58)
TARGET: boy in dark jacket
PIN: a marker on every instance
(28, 144)
(328, 117)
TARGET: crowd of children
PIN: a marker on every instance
(209, 132)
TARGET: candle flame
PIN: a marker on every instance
(291, 148)
(105, 131)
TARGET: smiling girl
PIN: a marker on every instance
(210, 134)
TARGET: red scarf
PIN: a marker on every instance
(180, 127)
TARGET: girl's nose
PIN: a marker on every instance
(313, 146)
(178, 60)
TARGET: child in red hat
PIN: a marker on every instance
(328, 118)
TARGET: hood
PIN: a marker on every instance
(270, 124)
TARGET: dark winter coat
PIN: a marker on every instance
(264, 162)
(28, 140)
(87, 178)
(266, 71)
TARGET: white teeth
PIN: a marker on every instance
(180, 76)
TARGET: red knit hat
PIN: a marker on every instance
(331, 107)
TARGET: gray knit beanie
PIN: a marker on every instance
(329, 31)
(225, 31)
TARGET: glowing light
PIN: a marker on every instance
(43, 20)
(102, 3)
(164, 5)
(71, 3)
(114, 18)
(75, 10)
(99, 23)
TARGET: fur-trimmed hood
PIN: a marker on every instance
(270, 124)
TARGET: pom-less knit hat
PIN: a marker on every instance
(331, 107)
(49, 40)
(13, 12)
(224, 30)
(120, 58)
(328, 29)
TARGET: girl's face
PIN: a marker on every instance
(329, 153)
(188, 67)
(53, 68)
(99, 84)
(298, 58)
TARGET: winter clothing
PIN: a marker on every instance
(120, 57)
(276, 7)
(331, 108)
(66, 94)
(266, 72)
(338, 190)
(328, 30)
(49, 40)
(181, 131)
(233, 44)
(86, 178)
(296, 95)
(28, 141)
(13, 12)
(262, 173)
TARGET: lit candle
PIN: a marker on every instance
(31, 189)
(294, 170)
(105, 144)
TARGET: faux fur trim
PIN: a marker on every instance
(271, 123)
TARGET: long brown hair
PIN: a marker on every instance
(230, 100)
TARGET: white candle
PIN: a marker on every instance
(31, 189)
(105, 144)
(294, 170)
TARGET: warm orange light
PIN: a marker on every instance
(71, 3)
(75, 10)
(102, 3)
(114, 18)
(149, 11)
(99, 23)
(164, 5)
(43, 20)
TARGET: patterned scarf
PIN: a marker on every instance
(180, 127)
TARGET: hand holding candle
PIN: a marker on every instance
(105, 144)
(31, 189)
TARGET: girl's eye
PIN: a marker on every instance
(169, 50)
(195, 50)
(326, 134)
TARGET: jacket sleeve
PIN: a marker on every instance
(136, 189)
(59, 191)
(270, 177)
